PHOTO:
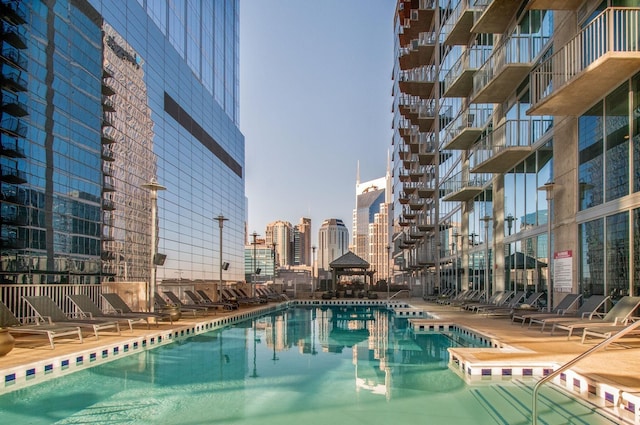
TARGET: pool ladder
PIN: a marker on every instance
(603, 344)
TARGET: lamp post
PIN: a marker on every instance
(220, 219)
(254, 235)
(273, 252)
(510, 219)
(313, 272)
(456, 237)
(487, 285)
(548, 187)
(154, 187)
(388, 271)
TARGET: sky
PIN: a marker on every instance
(315, 98)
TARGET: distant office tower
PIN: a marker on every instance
(100, 97)
(281, 233)
(259, 261)
(302, 243)
(372, 223)
(333, 242)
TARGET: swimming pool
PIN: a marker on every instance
(300, 365)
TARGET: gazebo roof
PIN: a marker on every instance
(349, 261)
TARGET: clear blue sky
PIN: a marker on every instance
(315, 97)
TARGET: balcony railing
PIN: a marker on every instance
(509, 64)
(419, 53)
(463, 186)
(16, 35)
(457, 28)
(13, 78)
(507, 145)
(12, 147)
(418, 81)
(12, 125)
(13, 55)
(601, 56)
(493, 16)
(14, 10)
(465, 129)
(458, 82)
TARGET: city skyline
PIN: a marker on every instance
(312, 107)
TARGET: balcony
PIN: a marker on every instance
(457, 28)
(12, 175)
(108, 184)
(495, 15)
(108, 204)
(467, 127)
(108, 86)
(14, 10)
(12, 104)
(426, 223)
(107, 119)
(108, 136)
(505, 70)
(108, 154)
(603, 55)
(409, 188)
(416, 17)
(426, 152)
(13, 79)
(507, 145)
(12, 55)
(14, 216)
(458, 82)
(463, 186)
(416, 204)
(14, 35)
(408, 213)
(419, 52)
(11, 147)
(403, 198)
(108, 105)
(13, 126)
(418, 82)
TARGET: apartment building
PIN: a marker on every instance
(516, 145)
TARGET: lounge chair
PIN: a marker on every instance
(10, 321)
(610, 330)
(228, 294)
(192, 309)
(121, 307)
(257, 299)
(587, 310)
(197, 300)
(510, 303)
(618, 314)
(473, 297)
(48, 310)
(206, 298)
(513, 305)
(91, 310)
(498, 298)
(565, 304)
(460, 295)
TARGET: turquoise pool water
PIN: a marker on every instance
(298, 366)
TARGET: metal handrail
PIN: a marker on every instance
(400, 291)
(603, 344)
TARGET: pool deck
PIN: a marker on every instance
(611, 374)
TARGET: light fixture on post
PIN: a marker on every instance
(254, 235)
(455, 248)
(388, 271)
(220, 219)
(510, 219)
(273, 253)
(487, 285)
(548, 187)
(153, 186)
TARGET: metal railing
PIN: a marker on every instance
(603, 344)
(614, 30)
(399, 292)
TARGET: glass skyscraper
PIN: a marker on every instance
(100, 97)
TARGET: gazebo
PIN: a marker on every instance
(350, 264)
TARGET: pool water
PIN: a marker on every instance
(297, 366)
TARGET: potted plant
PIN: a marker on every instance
(173, 310)
(6, 341)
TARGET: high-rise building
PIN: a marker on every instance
(99, 98)
(371, 223)
(280, 233)
(333, 242)
(302, 243)
(516, 145)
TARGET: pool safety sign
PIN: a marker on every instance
(562, 271)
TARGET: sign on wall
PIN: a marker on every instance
(562, 271)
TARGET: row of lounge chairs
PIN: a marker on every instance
(50, 320)
(569, 315)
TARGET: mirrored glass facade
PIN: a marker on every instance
(98, 98)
